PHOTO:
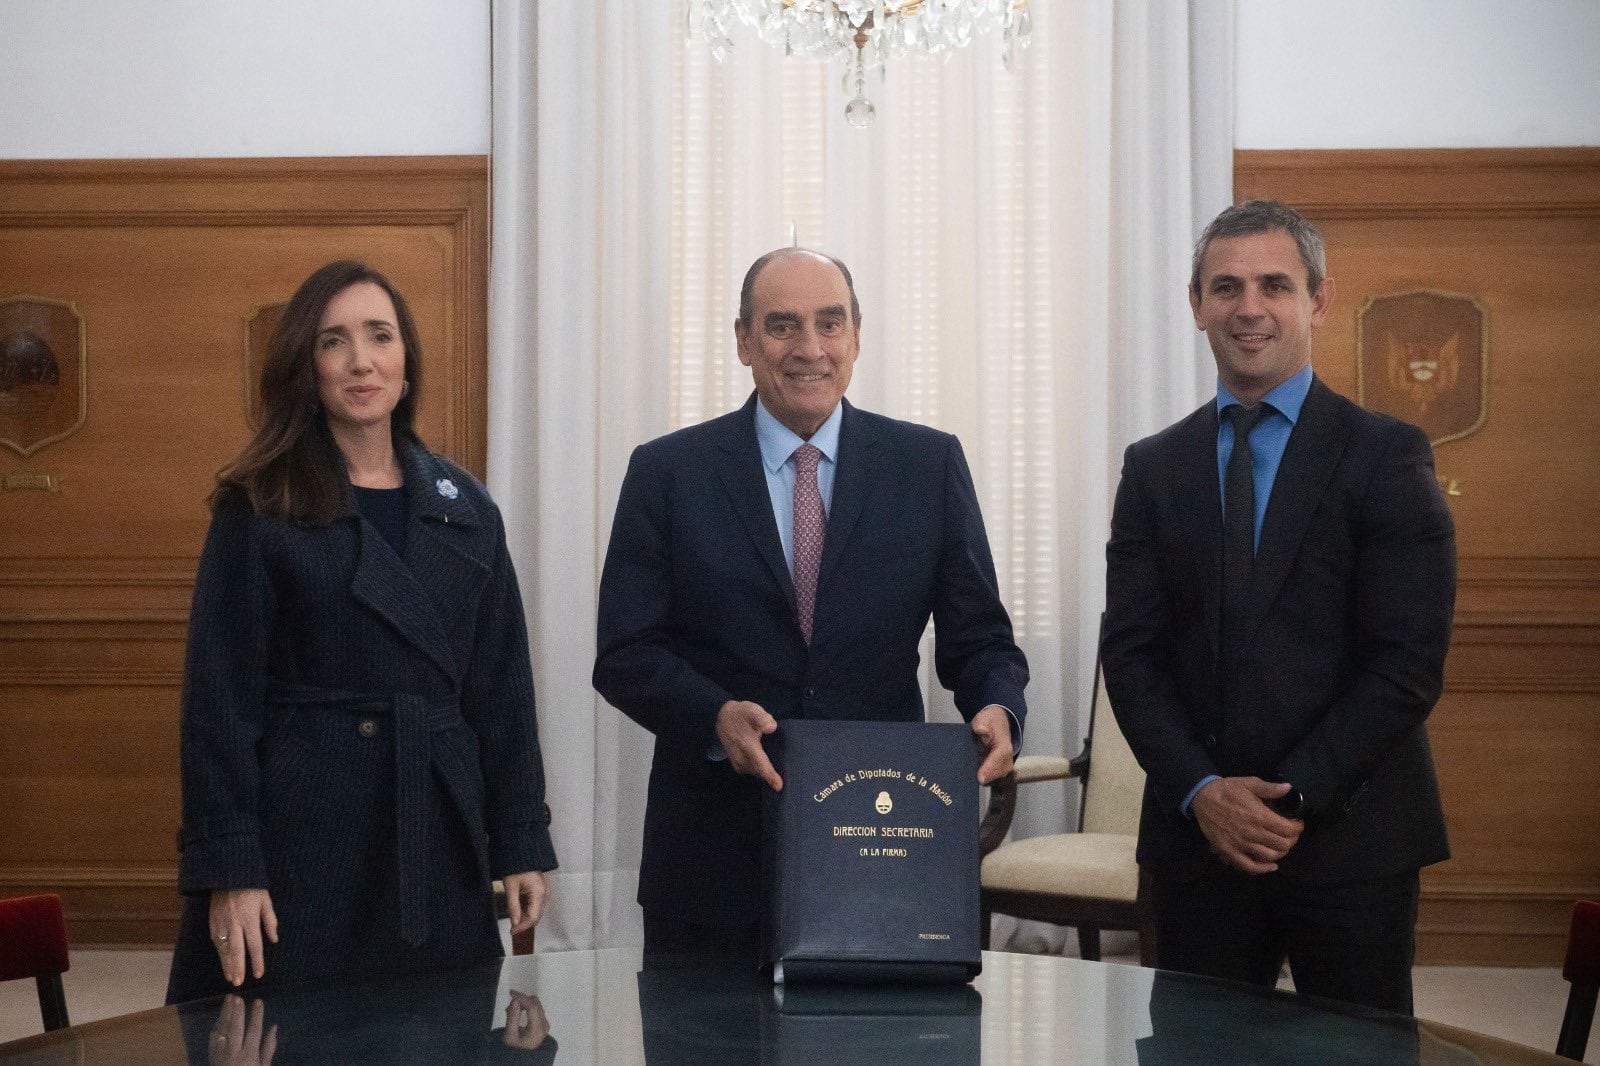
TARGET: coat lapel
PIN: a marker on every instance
(1315, 448)
(745, 480)
(855, 481)
(413, 595)
(386, 586)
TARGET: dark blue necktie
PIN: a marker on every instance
(1239, 514)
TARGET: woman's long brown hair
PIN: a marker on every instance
(292, 468)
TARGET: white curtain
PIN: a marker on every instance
(1020, 242)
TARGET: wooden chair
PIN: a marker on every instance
(33, 943)
(1088, 879)
(1583, 970)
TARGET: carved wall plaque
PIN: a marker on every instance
(43, 384)
(258, 329)
(1423, 356)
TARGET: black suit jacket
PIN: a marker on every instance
(697, 607)
(1342, 650)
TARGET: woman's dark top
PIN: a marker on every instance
(386, 509)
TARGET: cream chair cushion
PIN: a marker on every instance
(1097, 865)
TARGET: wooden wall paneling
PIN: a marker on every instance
(164, 260)
(1516, 732)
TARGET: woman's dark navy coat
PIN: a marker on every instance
(358, 735)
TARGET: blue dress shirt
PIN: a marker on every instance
(1267, 442)
(778, 443)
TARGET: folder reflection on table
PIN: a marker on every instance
(880, 1025)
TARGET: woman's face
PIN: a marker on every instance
(360, 358)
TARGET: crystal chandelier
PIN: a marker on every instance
(865, 34)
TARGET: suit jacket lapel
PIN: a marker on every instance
(1199, 489)
(855, 480)
(745, 480)
(1315, 447)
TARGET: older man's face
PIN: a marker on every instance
(801, 344)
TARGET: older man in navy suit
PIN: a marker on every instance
(782, 561)
(1280, 582)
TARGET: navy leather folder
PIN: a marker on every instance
(872, 853)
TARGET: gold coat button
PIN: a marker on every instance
(368, 727)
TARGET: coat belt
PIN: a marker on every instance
(415, 718)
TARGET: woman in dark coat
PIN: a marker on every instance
(360, 755)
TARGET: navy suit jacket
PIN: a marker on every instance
(1343, 640)
(697, 608)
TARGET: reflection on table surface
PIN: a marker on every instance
(608, 1007)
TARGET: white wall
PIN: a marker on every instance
(1417, 73)
(99, 78)
(125, 78)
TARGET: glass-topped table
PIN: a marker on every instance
(607, 1007)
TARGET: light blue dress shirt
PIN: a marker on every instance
(1267, 443)
(778, 443)
(1267, 440)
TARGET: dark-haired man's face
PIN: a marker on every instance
(801, 344)
(1256, 308)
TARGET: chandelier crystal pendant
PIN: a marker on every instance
(864, 34)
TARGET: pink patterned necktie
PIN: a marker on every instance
(809, 522)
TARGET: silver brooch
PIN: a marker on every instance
(447, 488)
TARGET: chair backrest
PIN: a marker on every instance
(1582, 968)
(1583, 944)
(33, 937)
(33, 943)
(1114, 788)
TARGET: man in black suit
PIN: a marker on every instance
(1277, 617)
(782, 561)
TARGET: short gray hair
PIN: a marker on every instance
(1263, 216)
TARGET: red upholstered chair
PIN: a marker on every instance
(33, 943)
(1583, 970)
